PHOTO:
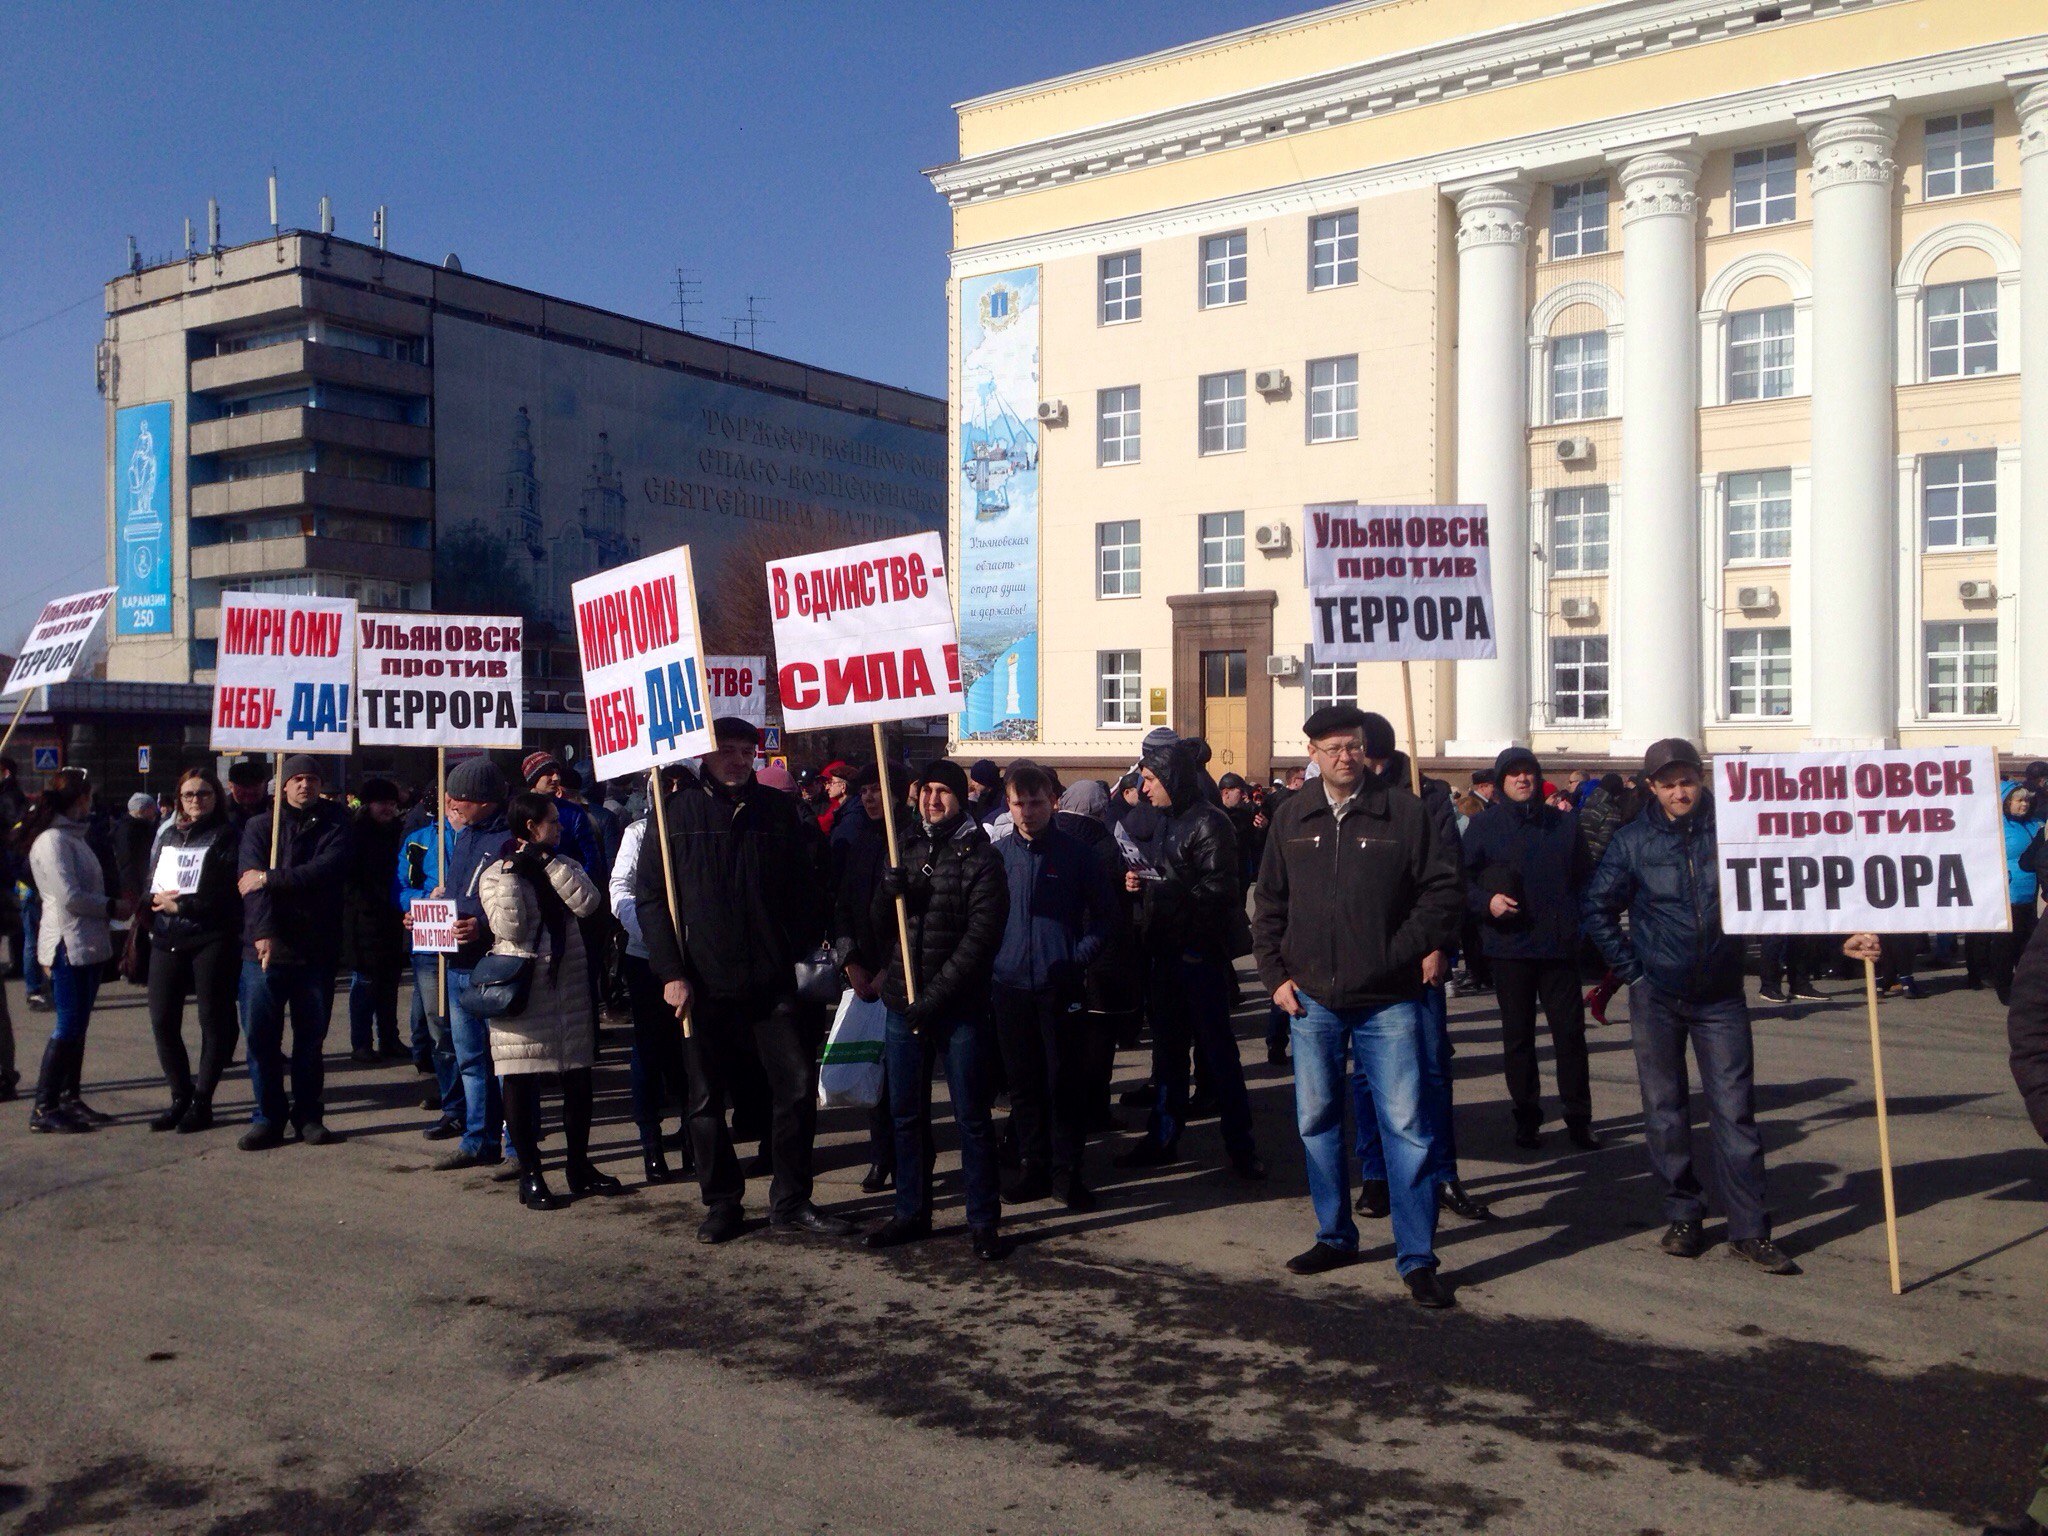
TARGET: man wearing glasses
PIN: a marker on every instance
(1355, 889)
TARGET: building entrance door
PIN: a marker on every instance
(1224, 725)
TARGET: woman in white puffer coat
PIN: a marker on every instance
(532, 898)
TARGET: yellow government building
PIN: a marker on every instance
(1719, 308)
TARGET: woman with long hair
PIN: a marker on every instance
(195, 946)
(73, 942)
(532, 898)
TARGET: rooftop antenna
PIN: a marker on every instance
(689, 294)
(213, 223)
(273, 199)
(377, 226)
(134, 256)
(326, 216)
(188, 237)
(752, 320)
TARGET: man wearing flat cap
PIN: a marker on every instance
(751, 896)
(291, 923)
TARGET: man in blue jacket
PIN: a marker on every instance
(1685, 982)
(1061, 907)
(470, 1104)
(1524, 875)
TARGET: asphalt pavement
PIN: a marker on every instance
(342, 1340)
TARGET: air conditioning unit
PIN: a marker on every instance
(1271, 382)
(1977, 591)
(1283, 668)
(1575, 450)
(1756, 599)
(1575, 609)
(1272, 538)
(1052, 413)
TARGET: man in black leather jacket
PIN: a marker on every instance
(1192, 923)
(1685, 981)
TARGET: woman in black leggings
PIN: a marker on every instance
(195, 946)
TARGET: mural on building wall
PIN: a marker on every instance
(997, 560)
(142, 519)
(554, 463)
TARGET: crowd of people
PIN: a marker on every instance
(1024, 931)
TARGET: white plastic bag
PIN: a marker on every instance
(850, 1072)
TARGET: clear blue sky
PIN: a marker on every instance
(771, 147)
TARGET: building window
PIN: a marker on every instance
(1958, 154)
(1116, 559)
(1332, 399)
(1759, 673)
(1959, 500)
(1760, 353)
(1333, 250)
(1222, 551)
(1334, 682)
(1962, 669)
(1578, 218)
(1123, 288)
(1222, 412)
(1962, 329)
(1765, 186)
(1578, 530)
(1757, 514)
(1223, 270)
(1116, 432)
(1578, 677)
(1578, 376)
(1119, 699)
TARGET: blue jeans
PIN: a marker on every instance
(1189, 999)
(306, 993)
(32, 974)
(373, 1010)
(72, 990)
(422, 1034)
(1386, 1045)
(1436, 1075)
(908, 1058)
(1660, 1025)
(479, 1099)
(426, 994)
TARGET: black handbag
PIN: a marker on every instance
(499, 986)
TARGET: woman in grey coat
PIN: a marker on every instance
(532, 899)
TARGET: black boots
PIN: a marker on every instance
(52, 1112)
(174, 1116)
(535, 1195)
(68, 1099)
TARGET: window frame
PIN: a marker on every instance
(1336, 240)
(1236, 270)
(1558, 693)
(1766, 201)
(1960, 318)
(1127, 414)
(1130, 281)
(1559, 515)
(1763, 675)
(1131, 676)
(1764, 370)
(1130, 571)
(1979, 125)
(1225, 535)
(1582, 397)
(1960, 687)
(1765, 497)
(1325, 685)
(1336, 412)
(1962, 484)
(1586, 239)
(1224, 401)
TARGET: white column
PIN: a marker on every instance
(2029, 685)
(1493, 450)
(1855, 607)
(1654, 632)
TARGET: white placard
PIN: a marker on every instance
(1861, 842)
(739, 686)
(66, 635)
(439, 680)
(177, 869)
(433, 926)
(285, 673)
(1398, 583)
(643, 665)
(865, 633)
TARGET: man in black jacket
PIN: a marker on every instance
(1356, 888)
(951, 884)
(1685, 982)
(374, 944)
(752, 905)
(1525, 873)
(291, 925)
(860, 942)
(1189, 926)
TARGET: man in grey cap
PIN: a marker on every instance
(1685, 982)
(291, 925)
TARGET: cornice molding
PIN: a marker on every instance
(1710, 121)
(1603, 34)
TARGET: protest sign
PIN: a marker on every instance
(643, 664)
(1861, 842)
(739, 686)
(65, 636)
(1398, 583)
(284, 673)
(433, 926)
(177, 869)
(864, 634)
(432, 680)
